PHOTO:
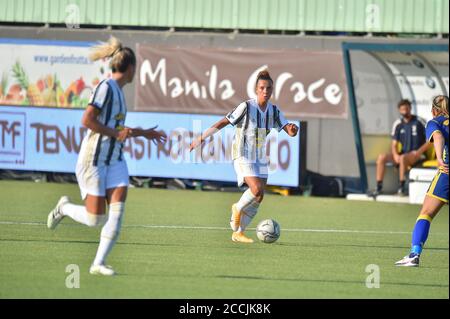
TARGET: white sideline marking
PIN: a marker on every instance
(284, 229)
(305, 230)
(22, 223)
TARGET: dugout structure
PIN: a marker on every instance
(348, 47)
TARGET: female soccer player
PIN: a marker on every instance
(437, 194)
(253, 120)
(101, 170)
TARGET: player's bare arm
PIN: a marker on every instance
(422, 149)
(150, 134)
(394, 151)
(438, 141)
(91, 121)
(211, 131)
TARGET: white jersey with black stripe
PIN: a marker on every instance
(96, 149)
(252, 127)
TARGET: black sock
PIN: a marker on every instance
(379, 186)
(402, 184)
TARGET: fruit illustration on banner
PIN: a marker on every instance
(3, 86)
(46, 91)
(32, 91)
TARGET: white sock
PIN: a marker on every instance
(79, 214)
(245, 200)
(248, 214)
(110, 232)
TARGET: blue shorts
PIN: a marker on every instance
(439, 187)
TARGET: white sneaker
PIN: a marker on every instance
(102, 270)
(56, 215)
(411, 260)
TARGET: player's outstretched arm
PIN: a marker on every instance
(90, 121)
(212, 130)
(291, 129)
(150, 134)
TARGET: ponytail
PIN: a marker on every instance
(440, 104)
(121, 57)
(263, 75)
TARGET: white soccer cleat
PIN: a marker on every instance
(411, 260)
(56, 215)
(103, 270)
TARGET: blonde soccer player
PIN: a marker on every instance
(437, 194)
(253, 120)
(101, 170)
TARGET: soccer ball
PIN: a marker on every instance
(268, 231)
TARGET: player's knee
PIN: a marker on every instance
(112, 228)
(381, 159)
(261, 196)
(258, 192)
(95, 220)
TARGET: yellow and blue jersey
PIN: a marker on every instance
(439, 186)
(439, 124)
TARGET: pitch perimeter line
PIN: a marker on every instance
(301, 230)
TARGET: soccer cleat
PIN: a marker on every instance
(235, 218)
(412, 260)
(241, 238)
(102, 270)
(56, 215)
(374, 194)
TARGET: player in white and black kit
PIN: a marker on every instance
(101, 169)
(253, 120)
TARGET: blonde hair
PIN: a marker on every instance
(121, 57)
(263, 75)
(440, 104)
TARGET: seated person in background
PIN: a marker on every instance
(407, 148)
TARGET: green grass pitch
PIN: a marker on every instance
(324, 248)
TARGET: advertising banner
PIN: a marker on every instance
(39, 139)
(48, 73)
(214, 81)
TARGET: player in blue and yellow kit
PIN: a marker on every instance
(437, 194)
